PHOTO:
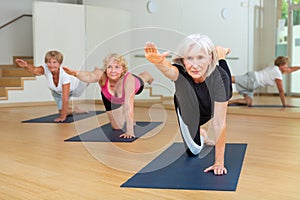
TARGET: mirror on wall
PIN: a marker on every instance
(184, 18)
(249, 28)
(293, 45)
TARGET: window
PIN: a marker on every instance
(284, 12)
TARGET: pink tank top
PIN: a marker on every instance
(117, 100)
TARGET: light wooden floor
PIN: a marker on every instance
(36, 163)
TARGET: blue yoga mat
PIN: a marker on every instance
(69, 119)
(106, 134)
(187, 172)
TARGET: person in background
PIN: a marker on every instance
(118, 89)
(61, 85)
(270, 76)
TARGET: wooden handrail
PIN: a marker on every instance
(17, 18)
(227, 58)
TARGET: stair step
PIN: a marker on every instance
(3, 92)
(15, 72)
(12, 76)
(8, 66)
(10, 81)
(151, 92)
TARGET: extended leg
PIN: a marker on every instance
(193, 142)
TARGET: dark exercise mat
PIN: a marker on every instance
(264, 106)
(187, 172)
(69, 119)
(106, 134)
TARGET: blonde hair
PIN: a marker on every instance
(204, 43)
(54, 54)
(115, 57)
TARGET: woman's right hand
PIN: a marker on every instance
(152, 54)
(127, 135)
(22, 63)
(70, 71)
(218, 169)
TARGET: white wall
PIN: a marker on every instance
(102, 28)
(63, 31)
(176, 18)
(16, 38)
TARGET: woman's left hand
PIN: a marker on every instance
(127, 135)
(70, 71)
(217, 168)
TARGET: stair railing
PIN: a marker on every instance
(15, 19)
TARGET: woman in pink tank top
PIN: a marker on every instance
(118, 88)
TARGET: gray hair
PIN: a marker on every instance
(203, 42)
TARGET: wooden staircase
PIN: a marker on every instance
(166, 101)
(12, 77)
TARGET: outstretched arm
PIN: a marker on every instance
(30, 68)
(281, 91)
(291, 69)
(85, 76)
(160, 61)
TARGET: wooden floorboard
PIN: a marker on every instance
(36, 163)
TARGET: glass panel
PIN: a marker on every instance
(295, 48)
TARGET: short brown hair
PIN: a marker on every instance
(281, 60)
(54, 54)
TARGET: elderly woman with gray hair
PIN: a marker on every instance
(203, 89)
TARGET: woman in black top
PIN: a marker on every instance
(203, 89)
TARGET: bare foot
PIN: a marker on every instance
(150, 81)
(207, 140)
(149, 77)
(146, 77)
(222, 52)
